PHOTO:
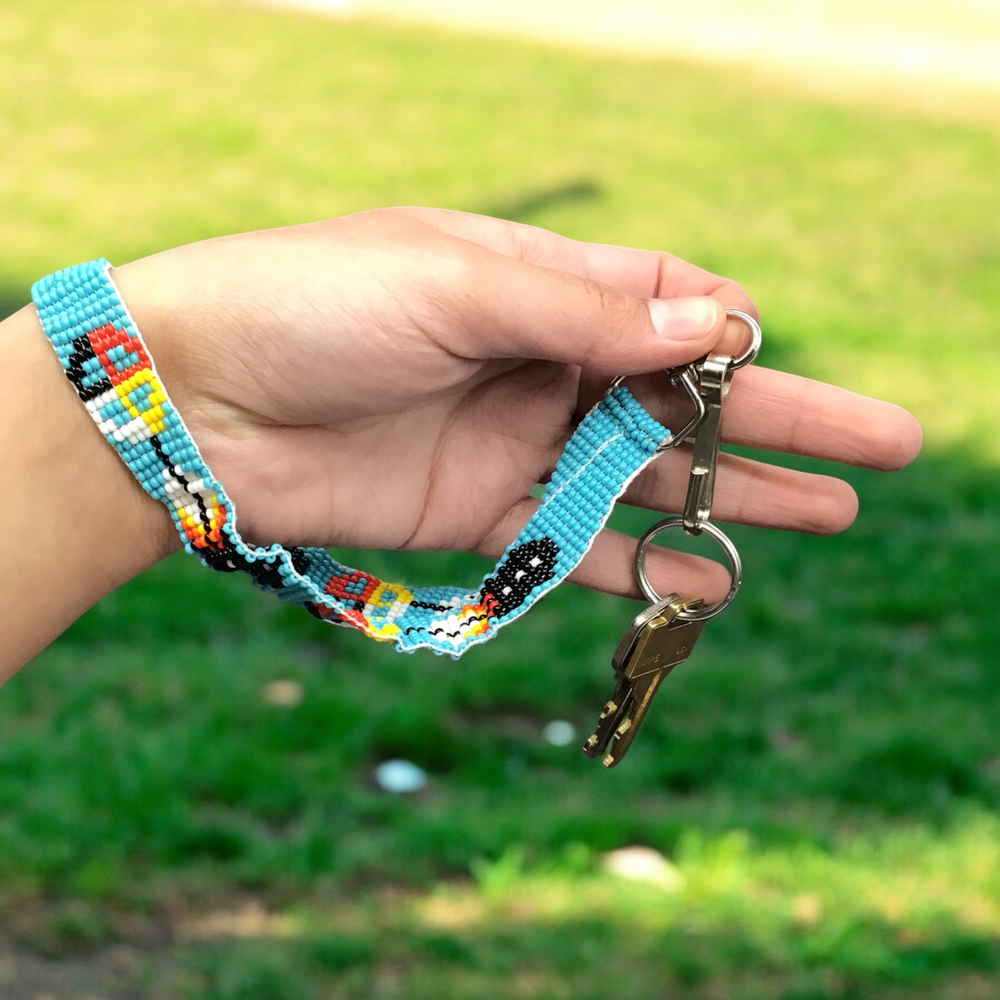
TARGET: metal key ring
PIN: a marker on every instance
(732, 557)
(756, 339)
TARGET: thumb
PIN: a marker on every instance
(521, 310)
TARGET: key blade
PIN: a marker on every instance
(612, 716)
(625, 732)
(617, 710)
(664, 642)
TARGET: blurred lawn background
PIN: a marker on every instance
(823, 779)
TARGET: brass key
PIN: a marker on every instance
(656, 642)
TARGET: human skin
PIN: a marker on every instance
(402, 379)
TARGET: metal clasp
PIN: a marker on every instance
(712, 386)
(714, 375)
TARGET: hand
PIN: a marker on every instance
(403, 378)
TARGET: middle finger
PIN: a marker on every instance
(771, 409)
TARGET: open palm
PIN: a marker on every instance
(404, 378)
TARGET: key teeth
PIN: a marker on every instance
(609, 709)
(592, 747)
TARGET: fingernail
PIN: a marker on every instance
(681, 319)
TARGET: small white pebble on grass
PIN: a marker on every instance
(286, 694)
(643, 864)
(401, 777)
(559, 733)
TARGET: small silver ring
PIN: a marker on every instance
(756, 339)
(732, 557)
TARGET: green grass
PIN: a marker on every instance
(824, 775)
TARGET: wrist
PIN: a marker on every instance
(76, 524)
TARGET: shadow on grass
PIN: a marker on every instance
(381, 950)
(526, 205)
(593, 959)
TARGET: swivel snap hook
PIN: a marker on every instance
(714, 375)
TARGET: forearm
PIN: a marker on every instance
(74, 523)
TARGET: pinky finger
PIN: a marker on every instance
(608, 566)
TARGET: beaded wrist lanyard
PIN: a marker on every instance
(105, 359)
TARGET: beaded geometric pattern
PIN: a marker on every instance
(105, 359)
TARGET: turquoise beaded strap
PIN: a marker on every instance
(104, 357)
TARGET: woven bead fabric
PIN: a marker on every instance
(105, 359)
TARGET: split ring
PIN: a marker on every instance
(732, 557)
(756, 339)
